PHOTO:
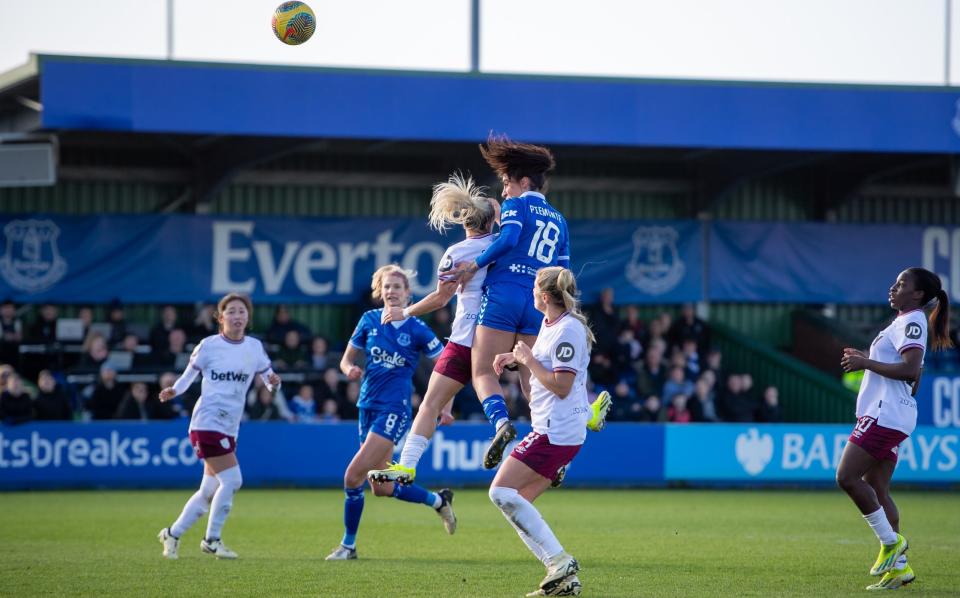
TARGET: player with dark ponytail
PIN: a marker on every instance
(887, 413)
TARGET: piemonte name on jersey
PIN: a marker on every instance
(216, 376)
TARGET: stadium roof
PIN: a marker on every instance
(207, 125)
(146, 96)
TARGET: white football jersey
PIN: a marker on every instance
(886, 400)
(468, 299)
(228, 368)
(561, 347)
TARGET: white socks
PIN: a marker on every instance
(196, 507)
(413, 449)
(878, 521)
(527, 521)
(230, 482)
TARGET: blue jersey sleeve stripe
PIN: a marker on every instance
(506, 222)
(353, 344)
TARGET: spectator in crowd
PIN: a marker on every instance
(85, 315)
(655, 334)
(282, 324)
(204, 322)
(689, 328)
(291, 354)
(629, 351)
(691, 356)
(651, 411)
(715, 365)
(141, 404)
(118, 323)
(51, 402)
(278, 400)
(664, 323)
(602, 369)
(320, 357)
(44, 330)
(16, 406)
(636, 324)
(304, 406)
(160, 333)
(626, 404)
(653, 374)
(330, 386)
(11, 332)
(678, 413)
(348, 408)
(738, 405)
(702, 405)
(264, 409)
(770, 406)
(328, 412)
(181, 405)
(95, 352)
(176, 345)
(107, 394)
(676, 384)
(131, 344)
(605, 321)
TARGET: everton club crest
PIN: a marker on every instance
(32, 262)
(655, 267)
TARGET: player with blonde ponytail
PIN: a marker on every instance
(458, 201)
(559, 414)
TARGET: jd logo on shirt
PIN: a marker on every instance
(913, 331)
(565, 352)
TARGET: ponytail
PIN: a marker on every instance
(561, 285)
(929, 284)
(460, 201)
(940, 322)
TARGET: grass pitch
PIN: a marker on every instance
(629, 543)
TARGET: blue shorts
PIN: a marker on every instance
(391, 424)
(509, 307)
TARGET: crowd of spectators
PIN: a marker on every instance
(58, 368)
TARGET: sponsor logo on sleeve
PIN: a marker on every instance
(565, 352)
(913, 331)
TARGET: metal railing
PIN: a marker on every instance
(806, 394)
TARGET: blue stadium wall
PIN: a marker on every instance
(134, 455)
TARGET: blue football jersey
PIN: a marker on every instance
(544, 240)
(392, 356)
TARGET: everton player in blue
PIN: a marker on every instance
(392, 351)
(533, 235)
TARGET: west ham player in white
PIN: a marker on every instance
(887, 413)
(392, 352)
(559, 410)
(228, 363)
(456, 202)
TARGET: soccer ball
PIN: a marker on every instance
(293, 23)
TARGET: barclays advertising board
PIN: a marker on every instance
(122, 454)
(796, 453)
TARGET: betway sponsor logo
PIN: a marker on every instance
(216, 376)
(388, 360)
(113, 451)
(318, 268)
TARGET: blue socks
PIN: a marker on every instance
(414, 493)
(495, 408)
(352, 510)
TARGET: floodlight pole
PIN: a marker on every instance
(474, 36)
(170, 29)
